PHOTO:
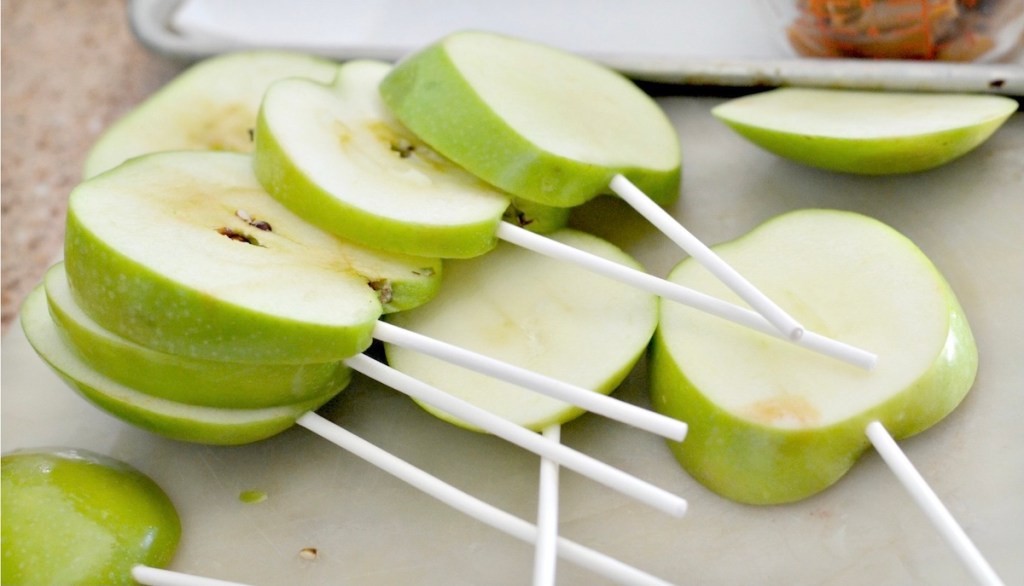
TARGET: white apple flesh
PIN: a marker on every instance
(511, 304)
(770, 423)
(211, 106)
(871, 133)
(184, 253)
(537, 122)
(181, 379)
(335, 156)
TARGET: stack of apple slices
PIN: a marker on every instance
(180, 273)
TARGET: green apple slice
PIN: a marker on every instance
(872, 133)
(771, 424)
(180, 421)
(186, 380)
(72, 517)
(210, 106)
(537, 122)
(186, 254)
(335, 156)
(526, 309)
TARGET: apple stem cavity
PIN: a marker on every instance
(700, 252)
(592, 468)
(605, 405)
(929, 502)
(684, 295)
(150, 576)
(472, 506)
(545, 554)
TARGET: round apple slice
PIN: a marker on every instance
(186, 254)
(534, 312)
(211, 106)
(872, 133)
(769, 424)
(193, 381)
(75, 517)
(180, 421)
(537, 122)
(335, 156)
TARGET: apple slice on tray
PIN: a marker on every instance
(544, 124)
(158, 413)
(193, 381)
(525, 309)
(76, 517)
(866, 132)
(185, 253)
(770, 425)
(210, 106)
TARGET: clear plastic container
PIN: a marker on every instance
(944, 30)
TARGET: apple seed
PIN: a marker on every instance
(238, 236)
(383, 289)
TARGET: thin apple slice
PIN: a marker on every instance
(535, 121)
(192, 423)
(75, 517)
(193, 381)
(561, 321)
(211, 106)
(335, 156)
(769, 424)
(186, 254)
(872, 133)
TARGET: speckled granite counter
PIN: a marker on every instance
(69, 69)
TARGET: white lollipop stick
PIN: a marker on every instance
(931, 505)
(594, 469)
(472, 506)
(594, 402)
(151, 576)
(680, 294)
(668, 225)
(545, 553)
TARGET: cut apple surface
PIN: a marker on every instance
(211, 106)
(511, 304)
(73, 517)
(182, 379)
(770, 423)
(873, 133)
(537, 122)
(335, 156)
(186, 254)
(181, 421)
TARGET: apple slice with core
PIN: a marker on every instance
(537, 122)
(186, 254)
(873, 133)
(72, 517)
(560, 321)
(335, 156)
(770, 425)
(211, 106)
(192, 381)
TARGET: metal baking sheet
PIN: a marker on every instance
(371, 529)
(733, 44)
